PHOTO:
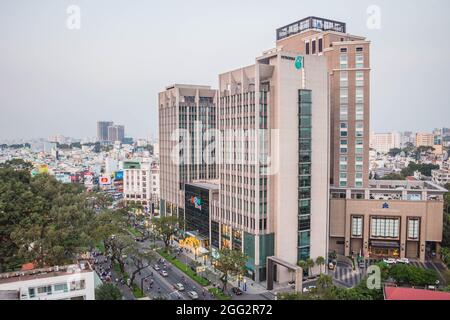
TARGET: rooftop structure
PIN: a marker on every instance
(310, 23)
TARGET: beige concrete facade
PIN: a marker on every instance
(351, 108)
(185, 111)
(262, 198)
(359, 218)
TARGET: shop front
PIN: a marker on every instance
(384, 249)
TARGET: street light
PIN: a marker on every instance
(142, 282)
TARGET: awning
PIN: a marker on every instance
(385, 244)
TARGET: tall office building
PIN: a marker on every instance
(185, 113)
(274, 173)
(102, 130)
(116, 133)
(348, 59)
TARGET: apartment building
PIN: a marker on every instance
(384, 142)
(348, 69)
(186, 112)
(140, 184)
(71, 282)
(424, 139)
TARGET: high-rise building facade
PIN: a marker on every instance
(186, 112)
(273, 117)
(348, 58)
(102, 130)
(116, 133)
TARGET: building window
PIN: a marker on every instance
(359, 129)
(320, 45)
(359, 61)
(385, 227)
(344, 79)
(359, 81)
(360, 112)
(344, 113)
(314, 47)
(357, 226)
(343, 61)
(359, 95)
(413, 229)
(344, 95)
(307, 48)
(343, 50)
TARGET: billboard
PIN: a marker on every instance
(118, 176)
(197, 202)
(104, 181)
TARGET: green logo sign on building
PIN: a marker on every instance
(299, 62)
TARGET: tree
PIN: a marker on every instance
(140, 260)
(394, 152)
(108, 291)
(166, 227)
(324, 282)
(55, 225)
(320, 261)
(302, 264)
(310, 264)
(393, 176)
(17, 164)
(118, 247)
(410, 275)
(230, 263)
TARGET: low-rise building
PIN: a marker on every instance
(141, 183)
(441, 176)
(395, 219)
(70, 282)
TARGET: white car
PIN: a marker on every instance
(178, 286)
(390, 261)
(164, 273)
(309, 289)
(193, 295)
(403, 260)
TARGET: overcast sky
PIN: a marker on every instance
(54, 80)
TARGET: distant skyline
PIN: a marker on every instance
(59, 81)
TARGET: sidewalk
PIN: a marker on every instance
(210, 274)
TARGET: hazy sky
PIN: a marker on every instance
(55, 80)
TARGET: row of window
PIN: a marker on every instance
(359, 61)
(385, 227)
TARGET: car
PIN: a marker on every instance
(309, 289)
(156, 267)
(237, 291)
(193, 295)
(390, 261)
(164, 273)
(403, 260)
(178, 286)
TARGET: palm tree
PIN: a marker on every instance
(310, 264)
(320, 261)
(302, 264)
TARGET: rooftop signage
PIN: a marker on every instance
(310, 23)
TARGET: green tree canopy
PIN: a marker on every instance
(230, 263)
(108, 291)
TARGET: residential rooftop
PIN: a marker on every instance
(56, 271)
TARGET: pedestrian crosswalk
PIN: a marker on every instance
(348, 276)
